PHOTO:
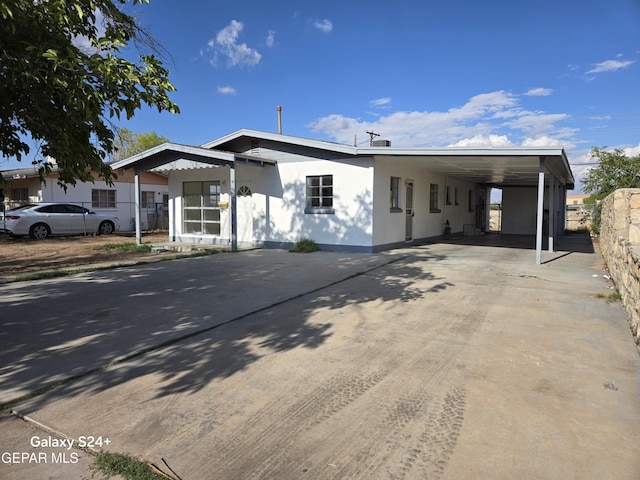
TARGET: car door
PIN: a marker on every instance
(79, 219)
(55, 216)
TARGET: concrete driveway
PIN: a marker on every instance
(445, 361)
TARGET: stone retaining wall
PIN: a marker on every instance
(620, 247)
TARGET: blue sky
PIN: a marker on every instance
(419, 73)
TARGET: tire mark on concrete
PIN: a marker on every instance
(437, 442)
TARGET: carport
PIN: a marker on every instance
(543, 168)
(172, 156)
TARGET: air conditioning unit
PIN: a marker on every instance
(381, 143)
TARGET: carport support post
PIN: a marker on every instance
(552, 211)
(540, 212)
(232, 208)
(136, 189)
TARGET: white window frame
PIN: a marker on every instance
(319, 194)
(394, 186)
(200, 207)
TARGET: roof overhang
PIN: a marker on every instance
(497, 167)
(173, 156)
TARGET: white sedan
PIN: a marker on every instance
(45, 219)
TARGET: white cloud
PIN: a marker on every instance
(271, 38)
(610, 66)
(539, 92)
(226, 43)
(83, 43)
(380, 102)
(544, 141)
(325, 26)
(535, 123)
(632, 151)
(484, 141)
(228, 90)
(488, 119)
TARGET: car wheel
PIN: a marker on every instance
(39, 231)
(106, 228)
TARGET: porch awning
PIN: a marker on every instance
(172, 156)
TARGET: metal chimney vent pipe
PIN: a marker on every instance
(279, 109)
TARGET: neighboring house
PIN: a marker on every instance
(253, 188)
(21, 186)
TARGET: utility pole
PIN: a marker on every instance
(372, 135)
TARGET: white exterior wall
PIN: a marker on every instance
(389, 227)
(274, 214)
(350, 225)
(519, 210)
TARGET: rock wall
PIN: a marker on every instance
(620, 247)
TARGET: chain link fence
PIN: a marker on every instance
(153, 216)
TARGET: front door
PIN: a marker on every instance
(408, 232)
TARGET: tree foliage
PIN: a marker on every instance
(128, 143)
(64, 79)
(614, 170)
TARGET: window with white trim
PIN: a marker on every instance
(395, 195)
(320, 194)
(433, 198)
(200, 209)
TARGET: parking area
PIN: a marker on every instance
(450, 361)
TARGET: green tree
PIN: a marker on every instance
(128, 143)
(614, 170)
(64, 79)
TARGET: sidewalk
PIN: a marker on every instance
(442, 361)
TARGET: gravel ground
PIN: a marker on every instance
(25, 255)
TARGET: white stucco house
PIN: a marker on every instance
(253, 188)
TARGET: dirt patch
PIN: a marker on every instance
(25, 255)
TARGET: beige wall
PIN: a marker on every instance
(620, 246)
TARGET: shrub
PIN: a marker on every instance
(305, 245)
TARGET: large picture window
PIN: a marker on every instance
(320, 194)
(200, 209)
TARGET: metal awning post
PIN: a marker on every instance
(137, 206)
(233, 207)
(552, 212)
(540, 212)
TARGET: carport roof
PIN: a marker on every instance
(518, 166)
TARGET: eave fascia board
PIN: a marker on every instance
(173, 147)
(462, 151)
